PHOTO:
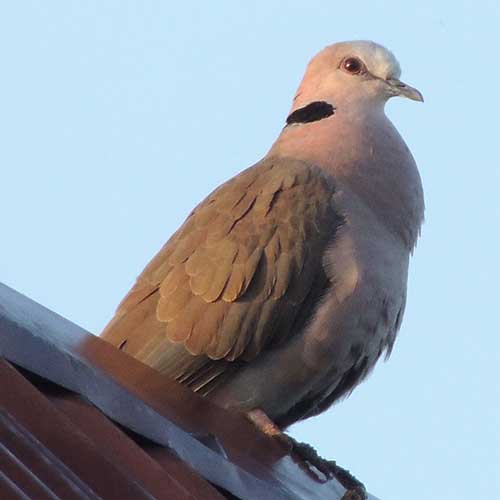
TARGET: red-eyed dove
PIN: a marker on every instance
(285, 285)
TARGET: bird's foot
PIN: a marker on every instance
(308, 458)
(329, 468)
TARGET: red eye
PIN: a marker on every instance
(353, 65)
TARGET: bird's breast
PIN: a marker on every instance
(357, 320)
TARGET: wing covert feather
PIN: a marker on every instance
(232, 279)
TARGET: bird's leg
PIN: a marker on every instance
(264, 423)
(309, 457)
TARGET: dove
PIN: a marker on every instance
(285, 285)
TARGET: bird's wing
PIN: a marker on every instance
(235, 277)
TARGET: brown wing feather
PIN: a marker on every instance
(233, 279)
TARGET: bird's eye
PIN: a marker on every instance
(353, 65)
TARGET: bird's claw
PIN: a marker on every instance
(329, 468)
(308, 459)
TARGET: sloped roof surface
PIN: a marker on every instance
(81, 419)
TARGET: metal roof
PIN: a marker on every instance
(82, 419)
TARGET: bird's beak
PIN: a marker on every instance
(397, 87)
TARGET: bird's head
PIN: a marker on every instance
(353, 74)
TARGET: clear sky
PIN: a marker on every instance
(117, 117)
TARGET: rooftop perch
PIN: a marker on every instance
(82, 419)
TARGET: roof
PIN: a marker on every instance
(81, 419)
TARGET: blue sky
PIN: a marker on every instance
(117, 117)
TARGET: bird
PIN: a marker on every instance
(286, 284)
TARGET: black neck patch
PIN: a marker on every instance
(313, 112)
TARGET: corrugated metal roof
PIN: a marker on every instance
(55, 445)
(81, 419)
